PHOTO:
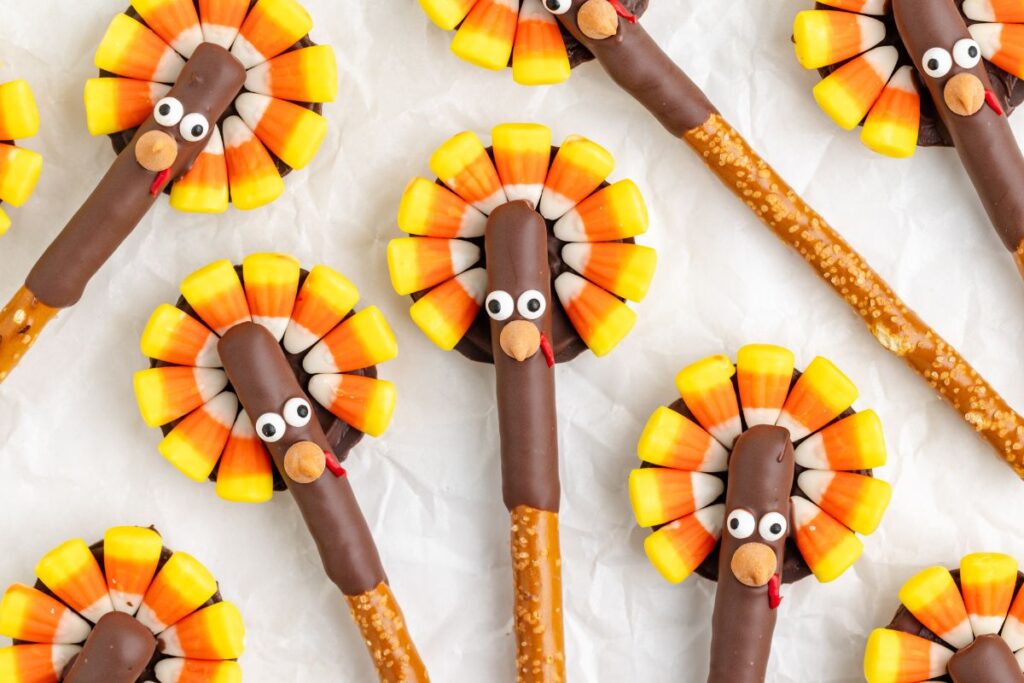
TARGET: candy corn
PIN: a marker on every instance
(245, 473)
(19, 173)
(35, 663)
(215, 632)
(116, 104)
(601, 320)
(221, 20)
(5, 222)
(181, 587)
(195, 443)
(706, 388)
(130, 558)
(176, 670)
(877, 7)
(934, 599)
(898, 657)
(678, 548)
(579, 168)
(1013, 628)
(661, 495)
(616, 212)
(671, 440)
(485, 38)
(853, 443)
(291, 132)
(819, 396)
(849, 92)
(827, 546)
(175, 21)
(1001, 44)
(173, 336)
(892, 125)
(446, 312)
(253, 177)
(855, 500)
(31, 615)
(994, 10)
(522, 152)
(309, 74)
(417, 263)
(764, 374)
(19, 116)
(463, 165)
(204, 187)
(824, 37)
(363, 340)
(539, 56)
(270, 28)
(271, 282)
(216, 295)
(447, 14)
(623, 269)
(431, 210)
(70, 571)
(365, 403)
(167, 393)
(131, 50)
(987, 581)
(325, 298)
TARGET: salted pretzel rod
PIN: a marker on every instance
(639, 66)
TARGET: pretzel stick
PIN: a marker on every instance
(537, 576)
(380, 620)
(21, 321)
(633, 60)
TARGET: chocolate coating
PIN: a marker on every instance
(987, 660)
(578, 53)
(516, 242)
(118, 650)
(208, 84)
(264, 381)
(761, 469)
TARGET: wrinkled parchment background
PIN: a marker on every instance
(76, 458)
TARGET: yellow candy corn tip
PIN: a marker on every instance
(924, 586)
(381, 409)
(889, 139)
(766, 358)
(20, 113)
(706, 373)
(658, 437)
(810, 39)
(616, 327)
(665, 558)
(184, 455)
(24, 167)
(882, 656)
(434, 324)
(5, 223)
(839, 559)
(243, 492)
(643, 497)
(984, 567)
(836, 389)
(446, 14)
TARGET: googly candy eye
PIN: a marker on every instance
(270, 427)
(936, 62)
(966, 53)
(557, 6)
(499, 305)
(773, 526)
(194, 127)
(297, 412)
(168, 111)
(532, 304)
(740, 524)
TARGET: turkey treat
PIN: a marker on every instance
(264, 377)
(125, 609)
(521, 255)
(964, 626)
(759, 475)
(876, 56)
(19, 167)
(210, 100)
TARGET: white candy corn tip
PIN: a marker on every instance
(804, 511)
(985, 625)
(169, 67)
(71, 628)
(257, 79)
(814, 483)
(474, 283)
(236, 133)
(711, 518)
(554, 205)
(796, 430)
(883, 60)
(706, 488)
(474, 223)
(568, 286)
(979, 10)
(209, 356)
(988, 37)
(98, 609)
(169, 643)
(577, 255)
(1013, 633)
(251, 107)
(903, 80)
(319, 360)
(761, 416)
(125, 602)
(529, 192)
(323, 389)
(209, 382)
(188, 40)
(246, 52)
(276, 325)
(489, 204)
(169, 670)
(464, 255)
(811, 453)
(297, 338)
(223, 408)
(571, 228)
(727, 432)
(148, 618)
(62, 654)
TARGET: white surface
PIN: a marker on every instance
(76, 458)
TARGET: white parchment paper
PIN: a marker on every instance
(76, 458)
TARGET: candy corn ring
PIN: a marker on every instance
(19, 168)
(963, 625)
(521, 34)
(275, 124)
(750, 449)
(125, 609)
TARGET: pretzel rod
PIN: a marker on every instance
(634, 61)
(21, 321)
(537, 572)
(380, 620)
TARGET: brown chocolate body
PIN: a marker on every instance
(987, 660)
(263, 379)
(761, 470)
(984, 141)
(208, 85)
(117, 651)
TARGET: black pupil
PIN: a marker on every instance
(552, 4)
(302, 411)
(533, 305)
(197, 130)
(494, 306)
(933, 64)
(269, 430)
(734, 523)
(972, 51)
(776, 528)
(165, 109)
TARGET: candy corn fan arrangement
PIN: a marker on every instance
(77, 458)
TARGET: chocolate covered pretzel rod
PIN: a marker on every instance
(634, 61)
(277, 405)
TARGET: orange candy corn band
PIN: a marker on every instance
(21, 321)
(382, 624)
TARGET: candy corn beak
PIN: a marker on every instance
(156, 151)
(520, 340)
(754, 564)
(304, 462)
(964, 94)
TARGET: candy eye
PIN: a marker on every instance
(270, 427)
(773, 526)
(532, 304)
(499, 305)
(194, 127)
(740, 524)
(966, 53)
(297, 412)
(557, 6)
(168, 111)
(936, 62)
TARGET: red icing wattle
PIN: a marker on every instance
(333, 465)
(621, 10)
(549, 353)
(774, 596)
(159, 182)
(992, 101)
